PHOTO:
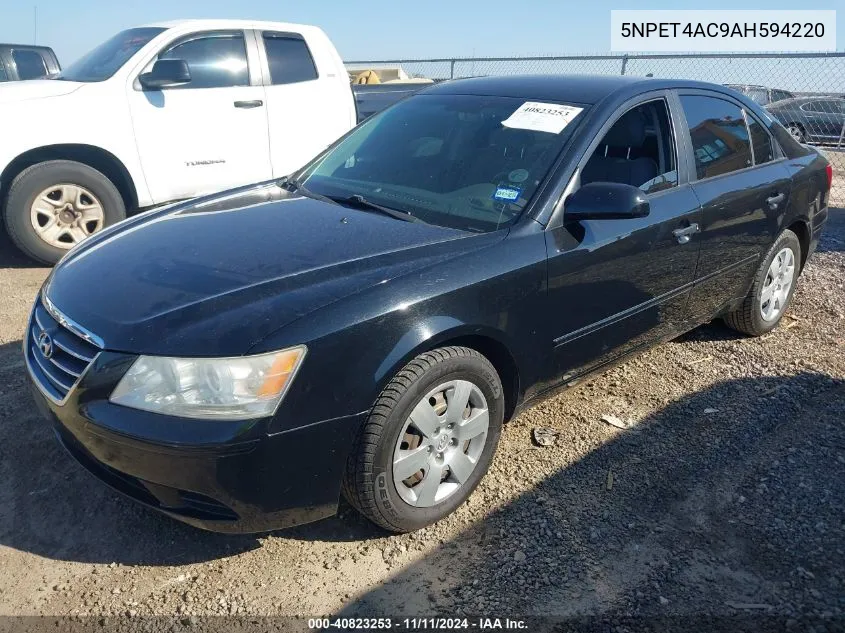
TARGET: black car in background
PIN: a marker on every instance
(19, 62)
(365, 326)
(812, 119)
(761, 95)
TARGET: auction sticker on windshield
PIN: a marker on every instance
(542, 117)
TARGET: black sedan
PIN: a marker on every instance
(365, 326)
(812, 119)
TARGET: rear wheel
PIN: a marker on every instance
(428, 441)
(772, 289)
(796, 131)
(52, 206)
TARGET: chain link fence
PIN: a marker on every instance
(804, 91)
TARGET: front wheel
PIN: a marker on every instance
(52, 206)
(771, 292)
(428, 441)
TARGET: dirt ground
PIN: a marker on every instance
(725, 499)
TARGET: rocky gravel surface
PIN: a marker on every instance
(703, 479)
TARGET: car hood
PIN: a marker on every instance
(14, 91)
(214, 277)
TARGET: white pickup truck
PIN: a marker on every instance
(161, 113)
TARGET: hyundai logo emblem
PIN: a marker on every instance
(45, 344)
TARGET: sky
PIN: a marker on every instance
(369, 29)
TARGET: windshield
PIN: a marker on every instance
(463, 161)
(108, 57)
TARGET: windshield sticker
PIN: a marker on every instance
(518, 175)
(507, 194)
(542, 117)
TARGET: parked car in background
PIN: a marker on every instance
(160, 113)
(19, 62)
(812, 119)
(761, 95)
(372, 98)
(367, 324)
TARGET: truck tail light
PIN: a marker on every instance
(829, 171)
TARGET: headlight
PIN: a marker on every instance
(237, 388)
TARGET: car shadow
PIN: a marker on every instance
(831, 239)
(724, 503)
(11, 257)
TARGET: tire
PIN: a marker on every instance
(796, 131)
(369, 483)
(33, 181)
(749, 317)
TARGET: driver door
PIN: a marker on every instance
(619, 284)
(208, 134)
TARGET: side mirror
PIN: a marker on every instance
(166, 72)
(605, 201)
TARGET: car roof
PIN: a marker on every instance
(585, 89)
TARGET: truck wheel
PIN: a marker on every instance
(52, 206)
(774, 284)
(429, 439)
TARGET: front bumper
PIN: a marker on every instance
(228, 478)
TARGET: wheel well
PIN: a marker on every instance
(101, 160)
(502, 361)
(800, 228)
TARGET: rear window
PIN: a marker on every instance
(30, 64)
(289, 59)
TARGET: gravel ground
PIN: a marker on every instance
(724, 498)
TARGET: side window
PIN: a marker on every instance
(638, 150)
(30, 64)
(761, 142)
(216, 60)
(3, 75)
(758, 95)
(718, 134)
(780, 95)
(289, 59)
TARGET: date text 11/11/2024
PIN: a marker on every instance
(418, 624)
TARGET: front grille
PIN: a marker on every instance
(56, 355)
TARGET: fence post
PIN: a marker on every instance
(452, 69)
(624, 63)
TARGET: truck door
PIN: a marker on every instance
(210, 133)
(309, 101)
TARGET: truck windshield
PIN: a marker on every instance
(105, 60)
(464, 161)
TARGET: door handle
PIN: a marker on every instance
(774, 201)
(256, 103)
(683, 235)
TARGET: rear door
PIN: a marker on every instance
(209, 134)
(307, 99)
(617, 285)
(743, 186)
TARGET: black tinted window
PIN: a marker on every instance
(30, 64)
(760, 140)
(779, 95)
(216, 60)
(823, 106)
(719, 135)
(3, 75)
(638, 150)
(289, 59)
